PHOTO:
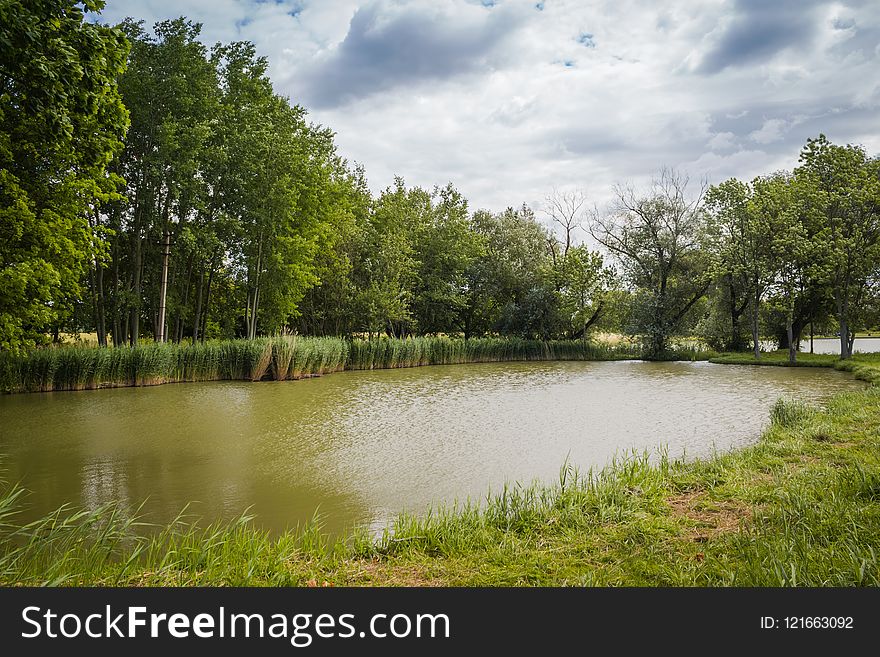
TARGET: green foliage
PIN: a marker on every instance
(509, 288)
(239, 219)
(61, 121)
(843, 187)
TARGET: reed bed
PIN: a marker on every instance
(279, 358)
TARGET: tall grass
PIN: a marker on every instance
(278, 358)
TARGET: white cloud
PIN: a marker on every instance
(483, 97)
(721, 141)
(772, 130)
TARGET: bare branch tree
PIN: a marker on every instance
(655, 237)
(566, 210)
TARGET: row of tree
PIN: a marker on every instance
(798, 248)
(150, 185)
(210, 207)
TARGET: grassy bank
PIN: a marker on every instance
(279, 358)
(865, 367)
(801, 507)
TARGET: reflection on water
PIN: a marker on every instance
(361, 446)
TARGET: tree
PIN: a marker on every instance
(581, 281)
(738, 237)
(332, 306)
(566, 213)
(444, 247)
(61, 122)
(789, 208)
(509, 289)
(847, 187)
(656, 238)
(583, 284)
(171, 89)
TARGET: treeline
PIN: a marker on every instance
(805, 245)
(737, 260)
(154, 187)
(216, 210)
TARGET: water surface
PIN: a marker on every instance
(832, 345)
(361, 446)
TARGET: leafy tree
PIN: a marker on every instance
(508, 287)
(790, 207)
(847, 188)
(331, 307)
(444, 247)
(584, 285)
(170, 88)
(738, 238)
(61, 122)
(390, 267)
(656, 238)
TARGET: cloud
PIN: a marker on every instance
(454, 91)
(721, 141)
(388, 46)
(772, 130)
(757, 30)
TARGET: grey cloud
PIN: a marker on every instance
(800, 123)
(759, 30)
(863, 39)
(413, 46)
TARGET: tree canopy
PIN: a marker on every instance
(61, 122)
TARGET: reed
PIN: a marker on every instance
(284, 348)
(279, 358)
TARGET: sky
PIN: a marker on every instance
(509, 100)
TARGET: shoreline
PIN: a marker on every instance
(282, 358)
(800, 507)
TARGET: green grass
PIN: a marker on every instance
(799, 508)
(279, 358)
(865, 367)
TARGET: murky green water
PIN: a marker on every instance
(361, 446)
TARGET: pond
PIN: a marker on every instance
(361, 446)
(832, 345)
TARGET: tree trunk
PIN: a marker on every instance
(595, 317)
(252, 323)
(208, 295)
(736, 342)
(792, 350)
(163, 289)
(135, 315)
(756, 344)
(118, 338)
(100, 310)
(254, 314)
(845, 344)
(187, 288)
(200, 288)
